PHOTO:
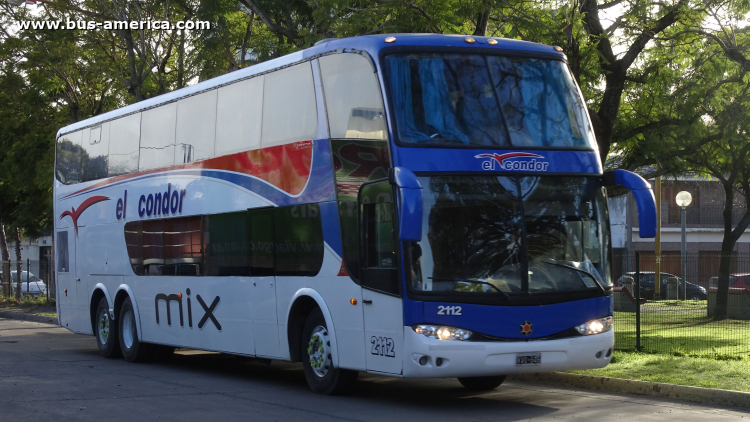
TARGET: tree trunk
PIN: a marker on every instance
(482, 19)
(5, 254)
(17, 239)
(727, 246)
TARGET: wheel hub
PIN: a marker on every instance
(319, 351)
(103, 327)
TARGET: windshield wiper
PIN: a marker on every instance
(574, 268)
(472, 281)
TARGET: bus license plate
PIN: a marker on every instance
(528, 358)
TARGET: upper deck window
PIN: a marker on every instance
(486, 101)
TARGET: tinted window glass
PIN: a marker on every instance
(299, 240)
(289, 109)
(95, 159)
(124, 138)
(445, 100)
(349, 228)
(226, 244)
(196, 127)
(165, 247)
(541, 103)
(379, 235)
(182, 246)
(153, 247)
(68, 161)
(353, 101)
(261, 242)
(134, 245)
(158, 137)
(284, 241)
(239, 114)
(62, 252)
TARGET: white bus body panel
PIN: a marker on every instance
(475, 359)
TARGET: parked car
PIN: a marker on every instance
(694, 291)
(30, 284)
(739, 281)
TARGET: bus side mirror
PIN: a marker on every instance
(409, 203)
(644, 198)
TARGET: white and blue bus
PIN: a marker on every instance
(407, 205)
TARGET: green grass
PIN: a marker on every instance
(38, 306)
(682, 328)
(695, 371)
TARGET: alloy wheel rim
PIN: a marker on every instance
(103, 326)
(128, 329)
(319, 351)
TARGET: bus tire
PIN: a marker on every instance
(320, 373)
(133, 350)
(105, 331)
(482, 383)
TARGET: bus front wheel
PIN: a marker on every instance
(482, 383)
(320, 373)
(105, 331)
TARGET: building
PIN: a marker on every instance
(705, 232)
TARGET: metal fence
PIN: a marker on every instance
(37, 278)
(679, 314)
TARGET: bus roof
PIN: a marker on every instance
(371, 44)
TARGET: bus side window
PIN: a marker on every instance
(124, 140)
(196, 127)
(239, 112)
(62, 252)
(225, 243)
(95, 143)
(298, 234)
(69, 152)
(353, 100)
(379, 260)
(290, 113)
(158, 137)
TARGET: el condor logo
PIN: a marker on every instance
(208, 310)
(74, 214)
(504, 162)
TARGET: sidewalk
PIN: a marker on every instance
(29, 317)
(613, 385)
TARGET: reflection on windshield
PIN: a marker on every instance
(477, 239)
(471, 99)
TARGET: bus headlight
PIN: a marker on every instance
(442, 332)
(595, 326)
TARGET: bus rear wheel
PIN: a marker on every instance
(482, 383)
(320, 373)
(105, 331)
(133, 350)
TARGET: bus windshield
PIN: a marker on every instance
(511, 236)
(451, 100)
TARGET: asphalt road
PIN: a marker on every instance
(48, 373)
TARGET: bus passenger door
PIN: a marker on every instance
(379, 276)
(66, 289)
(263, 298)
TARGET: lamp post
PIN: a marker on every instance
(683, 199)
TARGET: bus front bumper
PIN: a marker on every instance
(474, 359)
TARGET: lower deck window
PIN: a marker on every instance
(283, 241)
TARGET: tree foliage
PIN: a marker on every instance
(666, 82)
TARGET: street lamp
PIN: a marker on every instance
(684, 199)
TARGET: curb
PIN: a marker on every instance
(647, 388)
(29, 317)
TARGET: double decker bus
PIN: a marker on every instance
(407, 205)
